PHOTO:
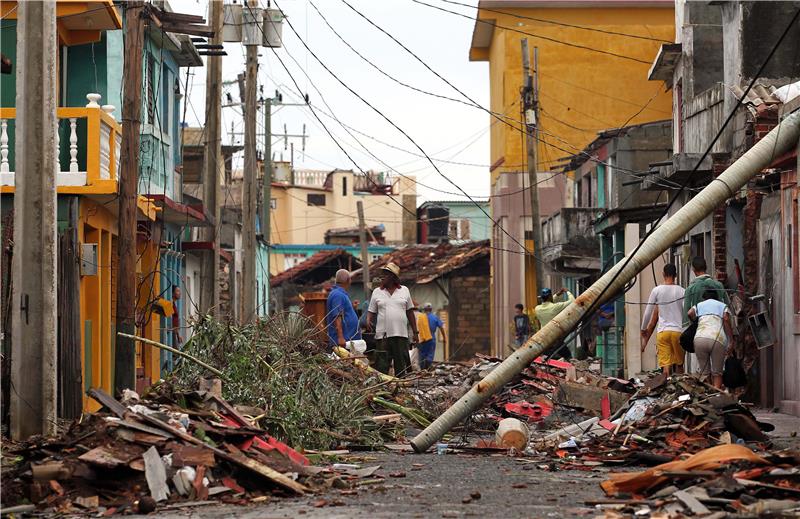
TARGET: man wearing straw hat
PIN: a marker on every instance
(393, 308)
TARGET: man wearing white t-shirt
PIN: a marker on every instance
(664, 313)
(392, 307)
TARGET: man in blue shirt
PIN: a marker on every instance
(427, 324)
(340, 318)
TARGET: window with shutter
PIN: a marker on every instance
(151, 89)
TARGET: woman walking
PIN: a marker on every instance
(714, 337)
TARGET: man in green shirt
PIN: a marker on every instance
(549, 309)
(701, 283)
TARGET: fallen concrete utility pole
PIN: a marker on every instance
(777, 142)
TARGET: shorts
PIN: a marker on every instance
(668, 349)
(710, 355)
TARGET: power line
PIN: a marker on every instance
(554, 40)
(524, 249)
(563, 24)
(688, 178)
(522, 246)
(636, 174)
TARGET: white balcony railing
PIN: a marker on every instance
(89, 159)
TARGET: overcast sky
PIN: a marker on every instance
(444, 129)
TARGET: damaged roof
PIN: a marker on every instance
(420, 264)
(318, 268)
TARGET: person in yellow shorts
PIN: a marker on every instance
(664, 314)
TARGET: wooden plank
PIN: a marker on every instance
(155, 474)
(183, 455)
(180, 17)
(136, 426)
(106, 457)
(108, 401)
(194, 30)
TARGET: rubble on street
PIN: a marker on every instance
(286, 419)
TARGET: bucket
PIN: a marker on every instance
(512, 433)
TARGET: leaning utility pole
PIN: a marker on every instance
(249, 260)
(530, 110)
(34, 317)
(362, 237)
(125, 352)
(780, 140)
(212, 153)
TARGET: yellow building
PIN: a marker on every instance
(89, 89)
(593, 60)
(311, 202)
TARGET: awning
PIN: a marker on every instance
(181, 214)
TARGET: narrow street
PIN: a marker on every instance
(438, 485)
(400, 258)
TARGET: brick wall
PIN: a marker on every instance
(720, 163)
(468, 311)
(766, 119)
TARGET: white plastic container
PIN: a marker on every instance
(512, 433)
(357, 347)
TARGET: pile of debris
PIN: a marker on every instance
(142, 453)
(664, 418)
(711, 483)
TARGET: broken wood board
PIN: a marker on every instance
(587, 397)
(188, 455)
(155, 474)
(107, 457)
(108, 401)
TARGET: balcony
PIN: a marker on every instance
(570, 244)
(89, 148)
(683, 168)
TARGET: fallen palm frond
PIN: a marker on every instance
(276, 365)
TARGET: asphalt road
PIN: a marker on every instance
(440, 486)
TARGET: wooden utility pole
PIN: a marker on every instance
(212, 153)
(125, 352)
(34, 317)
(249, 260)
(530, 107)
(362, 237)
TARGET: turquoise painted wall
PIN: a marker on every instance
(262, 279)
(480, 226)
(160, 137)
(8, 45)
